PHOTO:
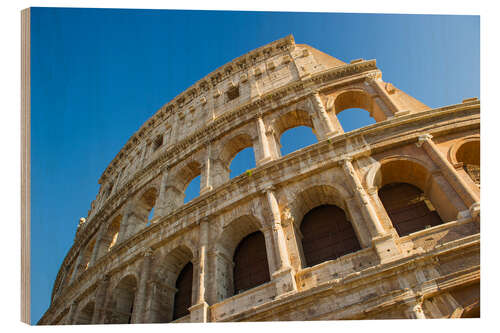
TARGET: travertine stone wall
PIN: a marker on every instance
(120, 258)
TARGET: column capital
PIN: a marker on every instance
(204, 219)
(423, 138)
(148, 252)
(346, 159)
(267, 189)
(372, 190)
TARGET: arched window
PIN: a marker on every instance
(87, 254)
(184, 284)
(469, 155)
(296, 138)
(123, 301)
(242, 161)
(250, 263)
(85, 315)
(192, 190)
(327, 235)
(408, 208)
(354, 118)
(358, 99)
(147, 203)
(110, 237)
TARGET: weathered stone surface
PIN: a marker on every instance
(250, 102)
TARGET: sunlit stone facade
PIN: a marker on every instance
(380, 222)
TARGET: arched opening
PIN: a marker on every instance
(184, 284)
(110, 237)
(243, 161)
(408, 208)
(173, 278)
(123, 301)
(147, 203)
(327, 235)
(296, 138)
(236, 157)
(86, 255)
(192, 190)
(469, 154)
(186, 184)
(250, 263)
(85, 315)
(230, 261)
(413, 198)
(354, 118)
(358, 99)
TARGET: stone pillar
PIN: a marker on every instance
(378, 86)
(219, 172)
(160, 203)
(294, 240)
(382, 241)
(265, 154)
(327, 129)
(206, 170)
(358, 222)
(139, 314)
(199, 311)
(468, 196)
(174, 198)
(97, 245)
(133, 217)
(100, 300)
(362, 198)
(414, 310)
(283, 275)
(274, 144)
(78, 267)
(70, 320)
(271, 257)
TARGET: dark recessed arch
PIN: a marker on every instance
(327, 235)
(250, 263)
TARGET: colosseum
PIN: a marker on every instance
(376, 223)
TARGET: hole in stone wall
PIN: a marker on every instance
(354, 118)
(151, 215)
(158, 142)
(242, 162)
(192, 190)
(296, 138)
(233, 93)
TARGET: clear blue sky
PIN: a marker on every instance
(98, 75)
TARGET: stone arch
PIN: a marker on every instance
(87, 254)
(168, 268)
(108, 240)
(123, 300)
(359, 99)
(226, 244)
(327, 235)
(136, 212)
(84, 316)
(411, 194)
(316, 195)
(465, 155)
(291, 119)
(304, 202)
(229, 148)
(147, 200)
(186, 173)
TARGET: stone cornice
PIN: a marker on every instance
(259, 174)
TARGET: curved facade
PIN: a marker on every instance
(379, 222)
